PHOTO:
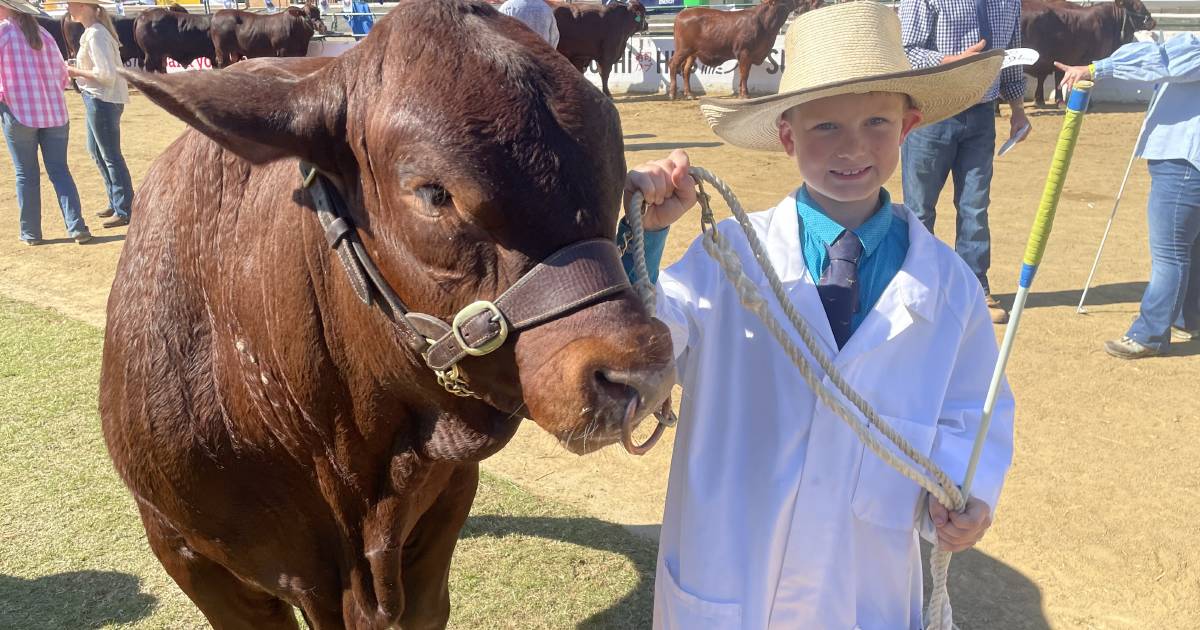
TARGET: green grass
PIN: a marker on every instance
(73, 554)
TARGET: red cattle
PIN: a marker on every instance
(238, 34)
(166, 33)
(1076, 35)
(714, 37)
(269, 392)
(592, 32)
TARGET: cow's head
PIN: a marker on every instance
(1137, 18)
(467, 150)
(312, 14)
(639, 16)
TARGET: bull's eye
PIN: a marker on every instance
(434, 195)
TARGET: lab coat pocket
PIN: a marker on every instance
(676, 609)
(882, 495)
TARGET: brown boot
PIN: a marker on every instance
(998, 313)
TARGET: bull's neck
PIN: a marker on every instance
(771, 16)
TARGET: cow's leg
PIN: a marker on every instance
(155, 63)
(743, 77)
(1058, 95)
(688, 64)
(426, 566)
(673, 68)
(226, 601)
(605, 69)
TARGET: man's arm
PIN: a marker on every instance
(917, 22)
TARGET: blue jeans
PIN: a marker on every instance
(23, 143)
(1173, 295)
(104, 145)
(963, 146)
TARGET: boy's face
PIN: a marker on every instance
(847, 146)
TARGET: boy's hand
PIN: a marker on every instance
(957, 532)
(667, 187)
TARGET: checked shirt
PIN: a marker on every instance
(932, 29)
(32, 81)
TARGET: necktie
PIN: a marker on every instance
(838, 286)
(985, 23)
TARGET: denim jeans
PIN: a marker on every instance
(104, 145)
(963, 146)
(1173, 295)
(23, 143)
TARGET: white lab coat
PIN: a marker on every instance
(776, 517)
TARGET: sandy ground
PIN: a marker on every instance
(1098, 524)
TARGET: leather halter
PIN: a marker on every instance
(578, 275)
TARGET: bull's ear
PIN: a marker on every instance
(259, 115)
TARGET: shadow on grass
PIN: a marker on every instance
(635, 608)
(79, 600)
(1101, 295)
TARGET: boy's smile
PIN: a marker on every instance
(847, 146)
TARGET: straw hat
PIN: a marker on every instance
(850, 48)
(21, 6)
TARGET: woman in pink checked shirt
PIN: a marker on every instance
(33, 113)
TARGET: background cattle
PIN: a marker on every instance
(592, 32)
(164, 33)
(241, 34)
(124, 26)
(55, 28)
(715, 36)
(1076, 35)
(286, 443)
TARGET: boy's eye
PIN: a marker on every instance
(877, 120)
(825, 126)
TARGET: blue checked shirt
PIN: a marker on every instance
(932, 29)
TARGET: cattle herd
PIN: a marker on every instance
(592, 33)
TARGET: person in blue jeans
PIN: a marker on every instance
(1170, 142)
(33, 115)
(105, 93)
(937, 32)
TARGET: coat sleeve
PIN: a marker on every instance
(1176, 61)
(962, 410)
(684, 293)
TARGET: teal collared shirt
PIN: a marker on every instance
(885, 244)
(884, 237)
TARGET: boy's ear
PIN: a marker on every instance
(912, 118)
(784, 126)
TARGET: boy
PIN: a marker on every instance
(776, 516)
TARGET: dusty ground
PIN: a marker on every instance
(1098, 524)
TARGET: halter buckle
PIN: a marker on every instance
(471, 310)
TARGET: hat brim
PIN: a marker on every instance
(939, 92)
(21, 6)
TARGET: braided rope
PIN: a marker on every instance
(925, 473)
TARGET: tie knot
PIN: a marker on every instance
(847, 247)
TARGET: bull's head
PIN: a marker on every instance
(638, 11)
(1138, 17)
(468, 151)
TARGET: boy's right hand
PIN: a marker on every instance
(668, 188)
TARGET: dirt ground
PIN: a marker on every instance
(1098, 524)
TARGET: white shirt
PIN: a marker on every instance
(99, 53)
(537, 15)
(776, 516)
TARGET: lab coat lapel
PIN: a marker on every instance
(909, 297)
(785, 253)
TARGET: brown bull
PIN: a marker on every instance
(164, 33)
(288, 444)
(592, 32)
(239, 34)
(714, 37)
(1076, 35)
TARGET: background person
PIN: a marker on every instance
(33, 114)
(105, 94)
(1170, 142)
(937, 32)
(538, 15)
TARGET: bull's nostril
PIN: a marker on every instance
(615, 387)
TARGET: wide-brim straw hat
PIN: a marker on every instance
(850, 48)
(20, 6)
(95, 3)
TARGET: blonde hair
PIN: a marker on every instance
(106, 22)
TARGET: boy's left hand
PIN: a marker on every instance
(957, 532)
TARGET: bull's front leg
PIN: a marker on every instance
(743, 78)
(605, 69)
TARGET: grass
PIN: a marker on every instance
(73, 554)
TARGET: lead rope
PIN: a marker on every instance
(938, 615)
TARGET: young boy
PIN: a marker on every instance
(776, 515)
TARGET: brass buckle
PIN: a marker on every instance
(471, 310)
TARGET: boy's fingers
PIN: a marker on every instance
(937, 512)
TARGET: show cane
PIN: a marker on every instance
(939, 615)
(1038, 237)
